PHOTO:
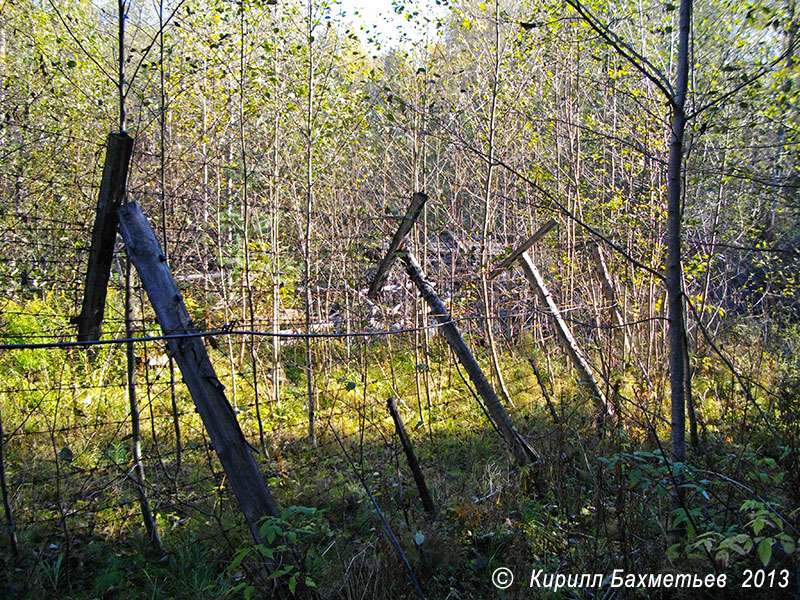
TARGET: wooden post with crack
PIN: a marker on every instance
(235, 454)
(522, 451)
(568, 341)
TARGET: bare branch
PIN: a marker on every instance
(586, 226)
(747, 82)
(640, 63)
(149, 47)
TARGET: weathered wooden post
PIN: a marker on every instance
(234, 452)
(522, 451)
(418, 200)
(564, 334)
(509, 260)
(408, 449)
(101, 254)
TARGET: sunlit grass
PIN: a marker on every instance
(607, 501)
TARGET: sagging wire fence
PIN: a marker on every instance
(69, 436)
(67, 456)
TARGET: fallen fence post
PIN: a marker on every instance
(564, 334)
(522, 451)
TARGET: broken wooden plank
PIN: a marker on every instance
(413, 212)
(101, 254)
(207, 392)
(564, 334)
(538, 234)
(522, 451)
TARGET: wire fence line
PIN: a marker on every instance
(90, 465)
(67, 423)
(280, 335)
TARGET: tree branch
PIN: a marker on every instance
(574, 217)
(80, 45)
(746, 83)
(638, 61)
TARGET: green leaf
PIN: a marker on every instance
(788, 545)
(758, 525)
(72, 64)
(765, 550)
(237, 560)
(270, 534)
(737, 548)
(280, 573)
(310, 582)
(306, 510)
(235, 589)
(293, 583)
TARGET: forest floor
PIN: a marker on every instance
(601, 502)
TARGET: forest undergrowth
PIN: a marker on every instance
(601, 498)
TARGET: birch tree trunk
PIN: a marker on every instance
(487, 197)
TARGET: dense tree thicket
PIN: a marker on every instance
(275, 155)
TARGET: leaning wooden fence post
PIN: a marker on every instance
(234, 452)
(101, 254)
(527, 244)
(564, 334)
(419, 478)
(418, 200)
(522, 451)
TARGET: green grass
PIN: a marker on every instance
(608, 499)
